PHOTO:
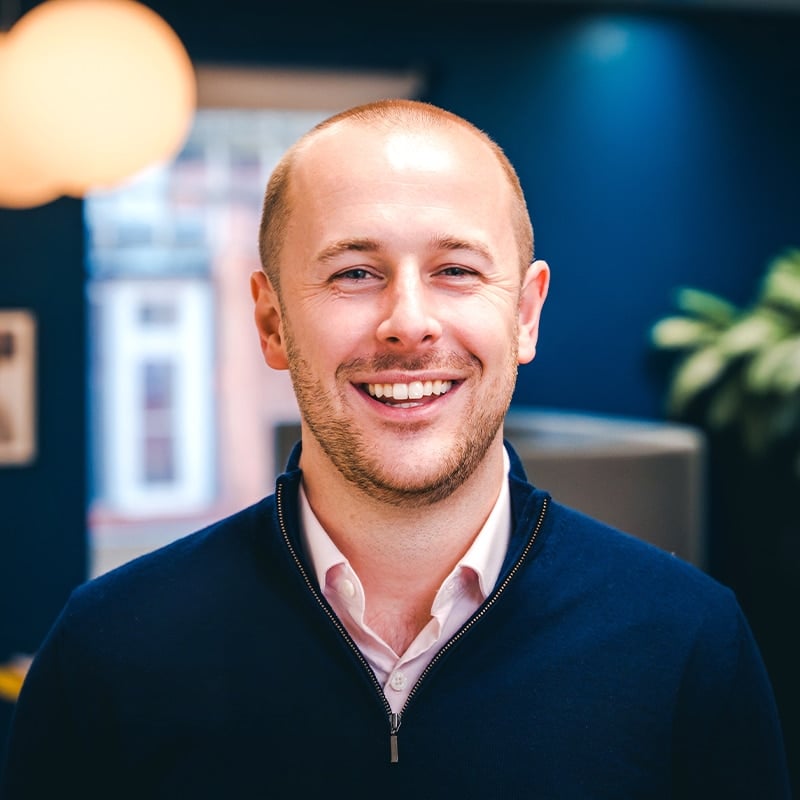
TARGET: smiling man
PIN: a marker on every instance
(406, 616)
(401, 301)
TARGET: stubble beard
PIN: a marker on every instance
(347, 449)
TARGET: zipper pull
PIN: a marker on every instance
(394, 726)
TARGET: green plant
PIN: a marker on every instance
(740, 367)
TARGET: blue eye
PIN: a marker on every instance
(456, 272)
(355, 274)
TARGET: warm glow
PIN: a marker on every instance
(91, 92)
(19, 186)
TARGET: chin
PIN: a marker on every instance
(409, 486)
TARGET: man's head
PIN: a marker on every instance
(385, 114)
(401, 245)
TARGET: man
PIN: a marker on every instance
(406, 616)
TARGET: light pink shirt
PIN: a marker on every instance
(462, 592)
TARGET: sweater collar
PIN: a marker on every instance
(526, 506)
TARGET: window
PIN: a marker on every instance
(182, 405)
(183, 411)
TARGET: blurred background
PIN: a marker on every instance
(657, 144)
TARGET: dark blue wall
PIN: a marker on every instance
(42, 506)
(655, 150)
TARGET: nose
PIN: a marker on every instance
(410, 317)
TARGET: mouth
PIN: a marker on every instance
(407, 395)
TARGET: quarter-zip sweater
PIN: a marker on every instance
(599, 667)
(458, 598)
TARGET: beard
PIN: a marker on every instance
(361, 463)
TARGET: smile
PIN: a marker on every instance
(415, 390)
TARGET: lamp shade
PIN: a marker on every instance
(93, 91)
(19, 186)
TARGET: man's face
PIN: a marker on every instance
(402, 316)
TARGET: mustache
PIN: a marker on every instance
(403, 363)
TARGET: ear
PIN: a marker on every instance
(269, 321)
(532, 297)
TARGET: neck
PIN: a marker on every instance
(402, 554)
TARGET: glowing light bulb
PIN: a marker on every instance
(91, 91)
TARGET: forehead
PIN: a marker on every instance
(403, 162)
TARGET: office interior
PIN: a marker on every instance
(657, 144)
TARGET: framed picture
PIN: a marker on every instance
(17, 387)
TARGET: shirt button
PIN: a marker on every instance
(346, 588)
(398, 681)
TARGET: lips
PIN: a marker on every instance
(414, 390)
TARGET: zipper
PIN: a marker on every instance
(395, 720)
(472, 621)
(394, 726)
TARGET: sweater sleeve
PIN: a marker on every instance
(727, 739)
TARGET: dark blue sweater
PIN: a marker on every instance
(600, 667)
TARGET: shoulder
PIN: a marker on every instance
(617, 555)
(227, 539)
(179, 580)
(607, 577)
(638, 603)
(668, 643)
(575, 553)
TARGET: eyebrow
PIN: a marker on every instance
(445, 242)
(367, 245)
(336, 249)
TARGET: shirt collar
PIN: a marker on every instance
(484, 557)
(488, 550)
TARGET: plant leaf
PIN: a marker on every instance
(781, 285)
(696, 373)
(725, 405)
(776, 368)
(788, 379)
(681, 332)
(751, 333)
(707, 306)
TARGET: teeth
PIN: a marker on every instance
(415, 390)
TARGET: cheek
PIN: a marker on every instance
(354, 325)
(328, 339)
(346, 325)
(487, 325)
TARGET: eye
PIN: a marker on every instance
(355, 280)
(356, 274)
(455, 271)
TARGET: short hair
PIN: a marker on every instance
(389, 114)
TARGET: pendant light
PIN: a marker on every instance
(91, 92)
